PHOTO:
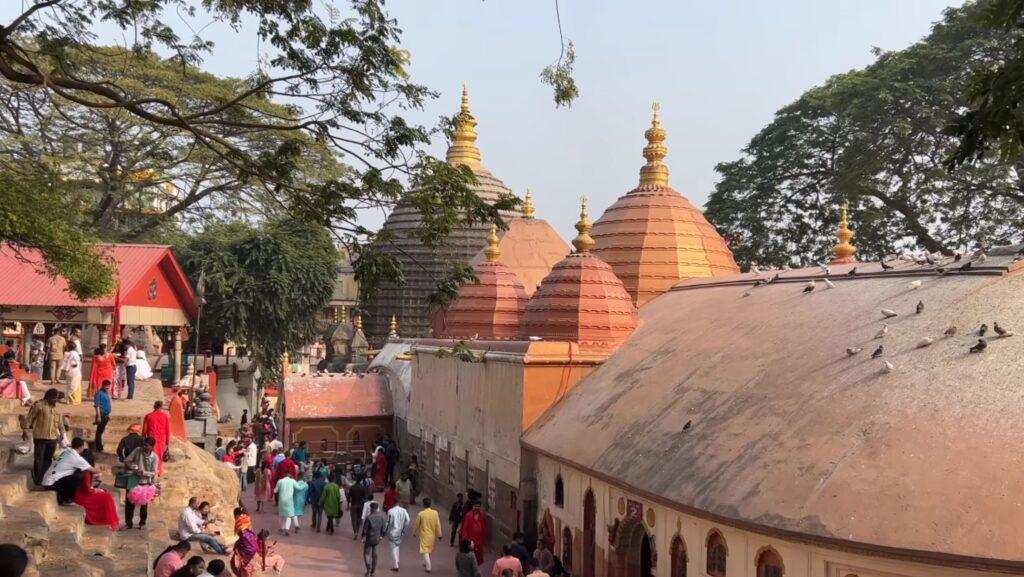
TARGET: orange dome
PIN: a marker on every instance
(653, 237)
(489, 309)
(581, 300)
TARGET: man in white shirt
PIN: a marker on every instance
(131, 356)
(274, 443)
(192, 527)
(65, 474)
(251, 454)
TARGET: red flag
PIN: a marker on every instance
(115, 328)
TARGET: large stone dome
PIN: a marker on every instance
(653, 237)
(422, 266)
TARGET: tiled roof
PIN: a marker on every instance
(337, 396)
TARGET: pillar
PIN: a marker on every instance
(177, 357)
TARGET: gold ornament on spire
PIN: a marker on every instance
(654, 172)
(844, 251)
(463, 149)
(528, 205)
(359, 322)
(393, 328)
(344, 314)
(583, 242)
(492, 250)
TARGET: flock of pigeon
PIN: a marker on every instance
(942, 266)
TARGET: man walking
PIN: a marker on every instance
(316, 491)
(46, 423)
(101, 402)
(455, 518)
(56, 346)
(130, 368)
(398, 524)
(356, 498)
(428, 529)
(373, 530)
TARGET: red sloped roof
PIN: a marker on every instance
(337, 396)
(24, 282)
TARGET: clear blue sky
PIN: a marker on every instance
(719, 69)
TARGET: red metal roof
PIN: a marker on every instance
(336, 396)
(24, 282)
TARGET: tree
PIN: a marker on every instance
(338, 72)
(875, 138)
(265, 286)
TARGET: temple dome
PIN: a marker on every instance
(530, 247)
(581, 300)
(489, 309)
(653, 237)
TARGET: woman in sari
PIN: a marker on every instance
(72, 368)
(120, 382)
(380, 470)
(103, 367)
(98, 504)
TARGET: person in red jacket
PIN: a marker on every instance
(157, 424)
(474, 528)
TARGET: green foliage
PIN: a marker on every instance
(265, 286)
(875, 138)
(35, 215)
(446, 289)
(559, 77)
(461, 351)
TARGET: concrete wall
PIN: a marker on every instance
(664, 523)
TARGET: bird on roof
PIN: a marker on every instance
(882, 331)
(759, 282)
(919, 308)
(687, 426)
(747, 293)
(853, 350)
(924, 342)
(885, 265)
(774, 278)
(980, 346)
(957, 256)
(878, 352)
(982, 258)
(928, 258)
(951, 331)
(825, 269)
(889, 313)
(1000, 330)
(754, 269)
(982, 330)
(915, 284)
(809, 286)
(830, 284)
(887, 367)
(941, 270)
(967, 265)
(851, 272)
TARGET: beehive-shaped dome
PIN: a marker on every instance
(491, 308)
(581, 300)
(653, 237)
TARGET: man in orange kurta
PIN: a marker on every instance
(157, 424)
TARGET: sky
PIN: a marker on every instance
(719, 70)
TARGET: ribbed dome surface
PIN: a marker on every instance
(653, 237)
(529, 248)
(490, 309)
(581, 300)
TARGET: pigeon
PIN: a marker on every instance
(882, 331)
(878, 352)
(919, 308)
(754, 269)
(746, 294)
(982, 330)
(941, 270)
(830, 284)
(773, 279)
(824, 268)
(983, 257)
(928, 258)
(967, 266)
(853, 350)
(916, 284)
(889, 313)
(982, 345)
(924, 342)
(887, 367)
(759, 282)
(885, 265)
(951, 331)
(957, 257)
(687, 426)
(1000, 330)
(851, 272)
(809, 286)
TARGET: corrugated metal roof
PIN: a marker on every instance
(337, 396)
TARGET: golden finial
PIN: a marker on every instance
(844, 251)
(528, 205)
(463, 149)
(492, 250)
(583, 242)
(393, 328)
(344, 315)
(654, 172)
(359, 322)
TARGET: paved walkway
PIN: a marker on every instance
(311, 554)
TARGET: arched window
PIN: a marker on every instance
(559, 492)
(678, 552)
(567, 549)
(769, 563)
(717, 554)
(589, 534)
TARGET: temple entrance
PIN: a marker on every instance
(634, 556)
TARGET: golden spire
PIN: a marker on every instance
(492, 250)
(583, 242)
(359, 322)
(463, 149)
(528, 205)
(654, 172)
(344, 314)
(393, 328)
(844, 250)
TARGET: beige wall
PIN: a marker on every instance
(799, 559)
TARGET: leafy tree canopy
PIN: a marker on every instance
(875, 138)
(264, 286)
